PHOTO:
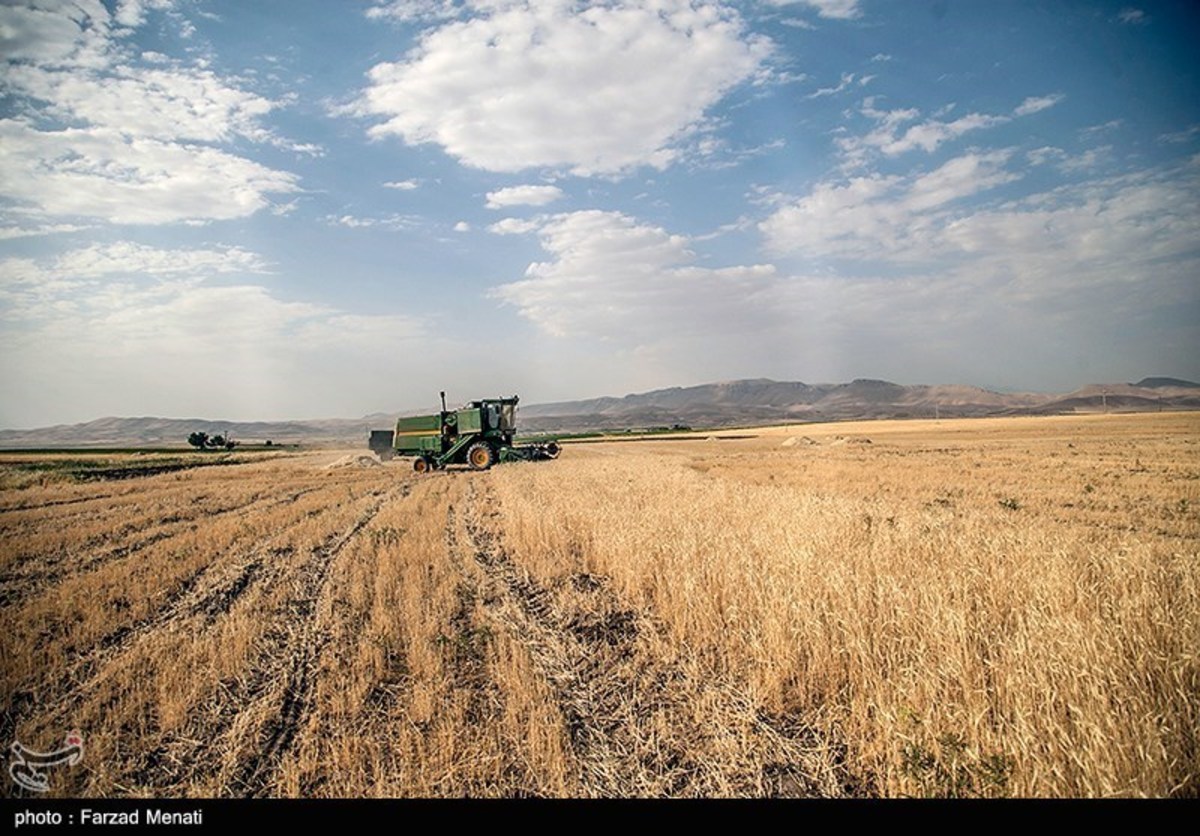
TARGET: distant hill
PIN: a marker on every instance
(168, 432)
(736, 402)
(1165, 383)
(770, 401)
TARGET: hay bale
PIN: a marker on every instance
(359, 460)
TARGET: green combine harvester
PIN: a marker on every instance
(480, 434)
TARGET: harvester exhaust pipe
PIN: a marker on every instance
(443, 394)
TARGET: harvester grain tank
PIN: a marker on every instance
(479, 434)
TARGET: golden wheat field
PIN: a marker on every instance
(993, 607)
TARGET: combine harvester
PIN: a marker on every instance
(480, 434)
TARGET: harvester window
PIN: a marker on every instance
(493, 417)
(508, 416)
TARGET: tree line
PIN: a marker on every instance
(204, 441)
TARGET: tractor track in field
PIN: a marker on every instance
(297, 654)
(526, 610)
(466, 642)
(289, 654)
(206, 592)
(56, 503)
(23, 584)
(613, 692)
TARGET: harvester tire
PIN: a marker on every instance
(552, 450)
(481, 456)
(422, 465)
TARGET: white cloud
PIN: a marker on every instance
(1085, 161)
(1026, 278)
(125, 258)
(1045, 154)
(611, 277)
(1133, 16)
(833, 9)
(403, 185)
(57, 33)
(462, 226)
(132, 13)
(406, 11)
(523, 196)
(893, 133)
(177, 103)
(1088, 160)
(1181, 137)
(128, 329)
(877, 217)
(1096, 130)
(514, 226)
(847, 80)
(929, 135)
(1034, 104)
(501, 91)
(99, 173)
(394, 222)
(1089, 246)
(137, 144)
(10, 232)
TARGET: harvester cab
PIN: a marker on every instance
(478, 434)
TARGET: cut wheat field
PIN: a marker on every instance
(993, 607)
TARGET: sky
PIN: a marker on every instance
(269, 210)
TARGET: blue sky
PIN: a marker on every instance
(260, 210)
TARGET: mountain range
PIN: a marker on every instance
(731, 403)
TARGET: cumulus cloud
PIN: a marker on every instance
(1073, 246)
(928, 276)
(609, 276)
(403, 185)
(101, 173)
(514, 226)
(133, 143)
(523, 196)
(176, 103)
(874, 217)
(500, 90)
(56, 33)
(132, 13)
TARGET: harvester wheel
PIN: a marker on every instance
(481, 456)
(552, 449)
(422, 465)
